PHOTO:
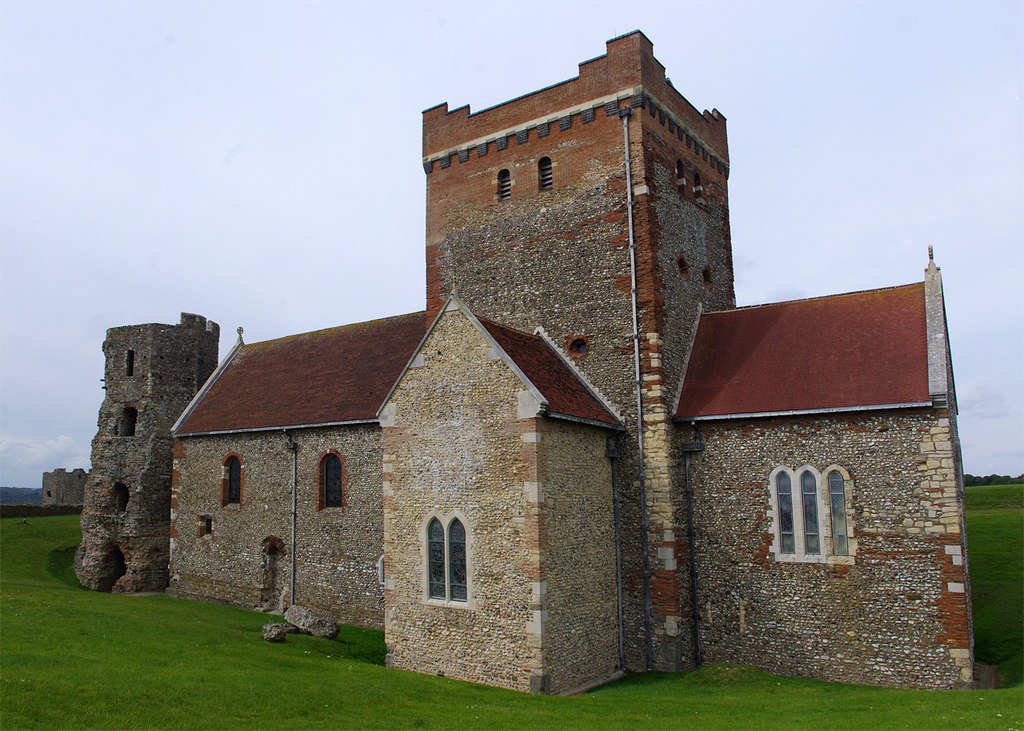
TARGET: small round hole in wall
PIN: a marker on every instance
(579, 347)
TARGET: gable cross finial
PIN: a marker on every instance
(240, 330)
(931, 254)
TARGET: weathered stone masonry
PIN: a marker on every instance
(246, 559)
(151, 373)
(61, 487)
(540, 611)
(893, 613)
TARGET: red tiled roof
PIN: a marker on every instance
(565, 393)
(849, 350)
(323, 377)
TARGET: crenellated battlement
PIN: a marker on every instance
(627, 75)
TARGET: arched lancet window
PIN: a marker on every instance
(681, 175)
(837, 503)
(447, 579)
(456, 561)
(784, 494)
(330, 482)
(809, 490)
(697, 187)
(234, 469)
(435, 560)
(544, 173)
(504, 185)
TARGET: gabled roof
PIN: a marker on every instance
(339, 375)
(558, 389)
(844, 352)
(562, 388)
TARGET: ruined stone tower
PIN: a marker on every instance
(152, 372)
(528, 219)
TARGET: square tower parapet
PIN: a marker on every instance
(627, 71)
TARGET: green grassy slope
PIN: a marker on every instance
(995, 549)
(70, 657)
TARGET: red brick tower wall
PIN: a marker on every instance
(559, 258)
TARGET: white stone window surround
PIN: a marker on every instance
(824, 516)
(446, 520)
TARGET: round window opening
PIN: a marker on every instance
(578, 347)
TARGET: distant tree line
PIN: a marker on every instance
(972, 480)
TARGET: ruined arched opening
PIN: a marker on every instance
(111, 567)
(121, 495)
(271, 584)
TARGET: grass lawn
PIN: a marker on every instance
(70, 657)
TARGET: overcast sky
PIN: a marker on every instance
(260, 164)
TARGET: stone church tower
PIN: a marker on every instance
(151, 374)
(597, 209)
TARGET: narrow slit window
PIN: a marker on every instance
(208, 525)
(837, 501)
(504, 185)
(435, 559)
(809, 488)
(456, 561)
(544, 173)
(784, 492)
(680, 175)
(234, 481)
(129, 363)
(697, 187)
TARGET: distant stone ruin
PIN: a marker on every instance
(61, 487)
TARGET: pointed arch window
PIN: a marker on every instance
(784, 490)
(837, 503)
(681, 176)
(809, 490)
(447, 577)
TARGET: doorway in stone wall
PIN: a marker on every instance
(271, 583)
(113, 568)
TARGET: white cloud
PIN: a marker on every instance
(24, 460)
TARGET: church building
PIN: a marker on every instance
(581, 458)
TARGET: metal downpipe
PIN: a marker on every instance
(613, 455)
(625, 114)
(294, 449)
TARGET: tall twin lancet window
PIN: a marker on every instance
(812, 524)
(446, 561)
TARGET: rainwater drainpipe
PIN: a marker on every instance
(697, 445)
(294, 449)
(613, 454)
(625, 114)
